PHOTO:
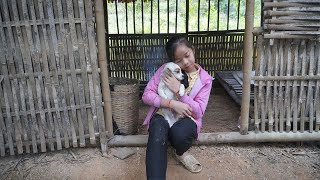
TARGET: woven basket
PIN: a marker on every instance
(125, 104)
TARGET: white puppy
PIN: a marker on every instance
(166, 93)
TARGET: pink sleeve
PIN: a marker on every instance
(150, 95)
(200, 101)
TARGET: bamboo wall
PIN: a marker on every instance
(50, 96)
(287, 86)
(139, 56)
(287, 81)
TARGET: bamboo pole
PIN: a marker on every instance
(294, 89)
(208, 138)
(102, 60)
(223, 137)
(287, 36)
(286, 78)
(247, 67)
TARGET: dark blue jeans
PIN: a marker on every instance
(180, 135)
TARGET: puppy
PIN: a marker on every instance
(166, 93)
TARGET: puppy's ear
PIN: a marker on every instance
(185, 80)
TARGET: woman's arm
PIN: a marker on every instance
(200, 102)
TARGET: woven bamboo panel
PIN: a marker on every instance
(287, 85)
(292, 19)
(50, 96)
(139, 56)
(136, 56)
(219, 51)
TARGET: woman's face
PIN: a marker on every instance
(184, 57)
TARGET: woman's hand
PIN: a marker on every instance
(171, 82)
(181, 108)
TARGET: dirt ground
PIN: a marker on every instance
(286, 161)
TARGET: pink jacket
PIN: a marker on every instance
(197, 99)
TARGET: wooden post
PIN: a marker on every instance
(247, 67)
(102, 60)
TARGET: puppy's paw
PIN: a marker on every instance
(182, 90)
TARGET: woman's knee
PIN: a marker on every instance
(183, 131)
(158, 128)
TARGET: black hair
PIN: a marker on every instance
(173, 43)
(171, 48)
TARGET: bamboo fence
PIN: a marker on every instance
(287, 86)
(50, 95)
(291, 19)
(287, 81)
(139, 56)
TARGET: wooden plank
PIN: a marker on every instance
(16, 86)
(47, 79)
(16, 119)
(2, 123)
(35, 50)
(36, 22)
(8, 42)
(261, 92)
(288, 27)
(73, 51)
(287, 100)
(65, 122)
(9, 118)
(57, 94)
(49, 34)
(29, 55)
(269, 105)
(59, 73)
(281, 103)
(95, 76)
(317, 92)
(302, 101)
(301, 1)
(310, 98)
(285, 4)
(307, 21)
(62, 42)
(257, 88)
(84, 57)
(23, 90)
(269, 13)
(275, 85)
(294, 89)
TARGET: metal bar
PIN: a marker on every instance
(134, 17)
(151, 17)
(228, 14)
(176, 23)
(116, 6)
(238, 15)
(142, 17)
(198, 15)
(158, 16)
(209, 6)
(218, 16)
(168, 22)
(126, 17)
(187, 16)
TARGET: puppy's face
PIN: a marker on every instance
(175, 69)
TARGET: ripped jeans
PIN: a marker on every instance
(180, 135)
